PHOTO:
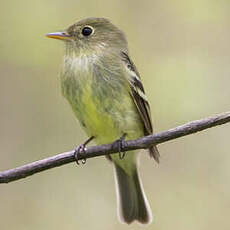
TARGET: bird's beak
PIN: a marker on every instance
(60, 36)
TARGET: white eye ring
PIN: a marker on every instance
(87, 31)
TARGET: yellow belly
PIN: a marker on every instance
(109, 125)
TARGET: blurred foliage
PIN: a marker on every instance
(181, 49)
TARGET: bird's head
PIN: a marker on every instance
(92, 35)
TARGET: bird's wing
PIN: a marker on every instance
(140, 99)
(138, 93)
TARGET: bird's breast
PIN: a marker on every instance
(99, 96)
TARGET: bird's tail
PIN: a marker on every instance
(133, 204)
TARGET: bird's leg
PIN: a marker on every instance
(120, 143)
(81, 150)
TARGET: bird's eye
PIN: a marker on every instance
(86, 31)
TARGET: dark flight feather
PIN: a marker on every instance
(138, 93)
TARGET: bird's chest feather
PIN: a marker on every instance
(99, 96)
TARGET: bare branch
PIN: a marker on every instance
(141, 143)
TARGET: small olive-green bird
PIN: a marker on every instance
(105, 91)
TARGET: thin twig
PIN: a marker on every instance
(141, 143)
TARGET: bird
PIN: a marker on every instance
(104, 89)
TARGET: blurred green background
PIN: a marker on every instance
(181, 49)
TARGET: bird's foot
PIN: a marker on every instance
(81, 149)
(121, 144)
